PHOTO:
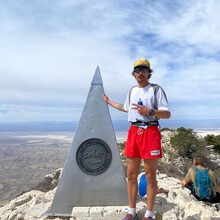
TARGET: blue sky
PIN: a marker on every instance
(49, 51)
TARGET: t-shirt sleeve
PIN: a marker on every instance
(212, 177)
(214, 184)
(126, 104)
(190, 176)
(162, 101)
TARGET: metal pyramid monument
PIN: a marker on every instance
(93, 174)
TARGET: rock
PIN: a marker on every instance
(210, 147)
(21, 200)
(178, 204)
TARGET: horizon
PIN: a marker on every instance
(119, 125)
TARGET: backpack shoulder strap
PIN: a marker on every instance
(206, 170)
(155, 88)
(129, 95)
(196, 169)
(199, 171)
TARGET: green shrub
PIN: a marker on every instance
(213, 140)
(165, 129)
(187, 143)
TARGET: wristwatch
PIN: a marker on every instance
(151, 112)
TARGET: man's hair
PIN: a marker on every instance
(198, 160)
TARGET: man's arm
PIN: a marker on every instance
(183, 183)
(144, 110)
(114, 104)
(188, 178)
(213, 180)
(162, 114)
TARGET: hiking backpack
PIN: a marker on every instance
(202, 185)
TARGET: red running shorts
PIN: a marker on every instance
(143, 143)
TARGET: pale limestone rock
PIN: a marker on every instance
(96, 212)
(82, 212)
(110, 212)
(22, 200)
(210, 147)
(179, 204)
(195, 208)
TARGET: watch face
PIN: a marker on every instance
(152, 112)
(94, 156)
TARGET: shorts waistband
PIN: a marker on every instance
(143, 123)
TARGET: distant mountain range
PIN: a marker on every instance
(119, 125)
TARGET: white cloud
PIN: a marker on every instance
(50, 50)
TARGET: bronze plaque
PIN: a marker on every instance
(94, 156)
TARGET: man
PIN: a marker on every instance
(190, 177)
(144, 106)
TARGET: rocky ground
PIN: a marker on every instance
(176, 205)
(30, 168)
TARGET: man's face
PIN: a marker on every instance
(141, 74)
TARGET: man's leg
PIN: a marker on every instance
(133, 166)
(150, 168)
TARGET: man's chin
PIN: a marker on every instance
(142, 79)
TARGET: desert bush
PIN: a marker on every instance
(187, 143)
(213, 140)
(172, 171)
(165, 129)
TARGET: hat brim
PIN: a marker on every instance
(141, 65)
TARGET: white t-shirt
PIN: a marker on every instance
(146, 95)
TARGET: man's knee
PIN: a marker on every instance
(132, 176)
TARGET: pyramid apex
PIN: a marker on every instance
(97, 79)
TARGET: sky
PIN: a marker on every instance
(49, 51)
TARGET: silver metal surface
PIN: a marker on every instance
(93, 174)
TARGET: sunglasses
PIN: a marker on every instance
(141, 69)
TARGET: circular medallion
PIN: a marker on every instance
(94, 156)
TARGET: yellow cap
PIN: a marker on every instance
(142, 62)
